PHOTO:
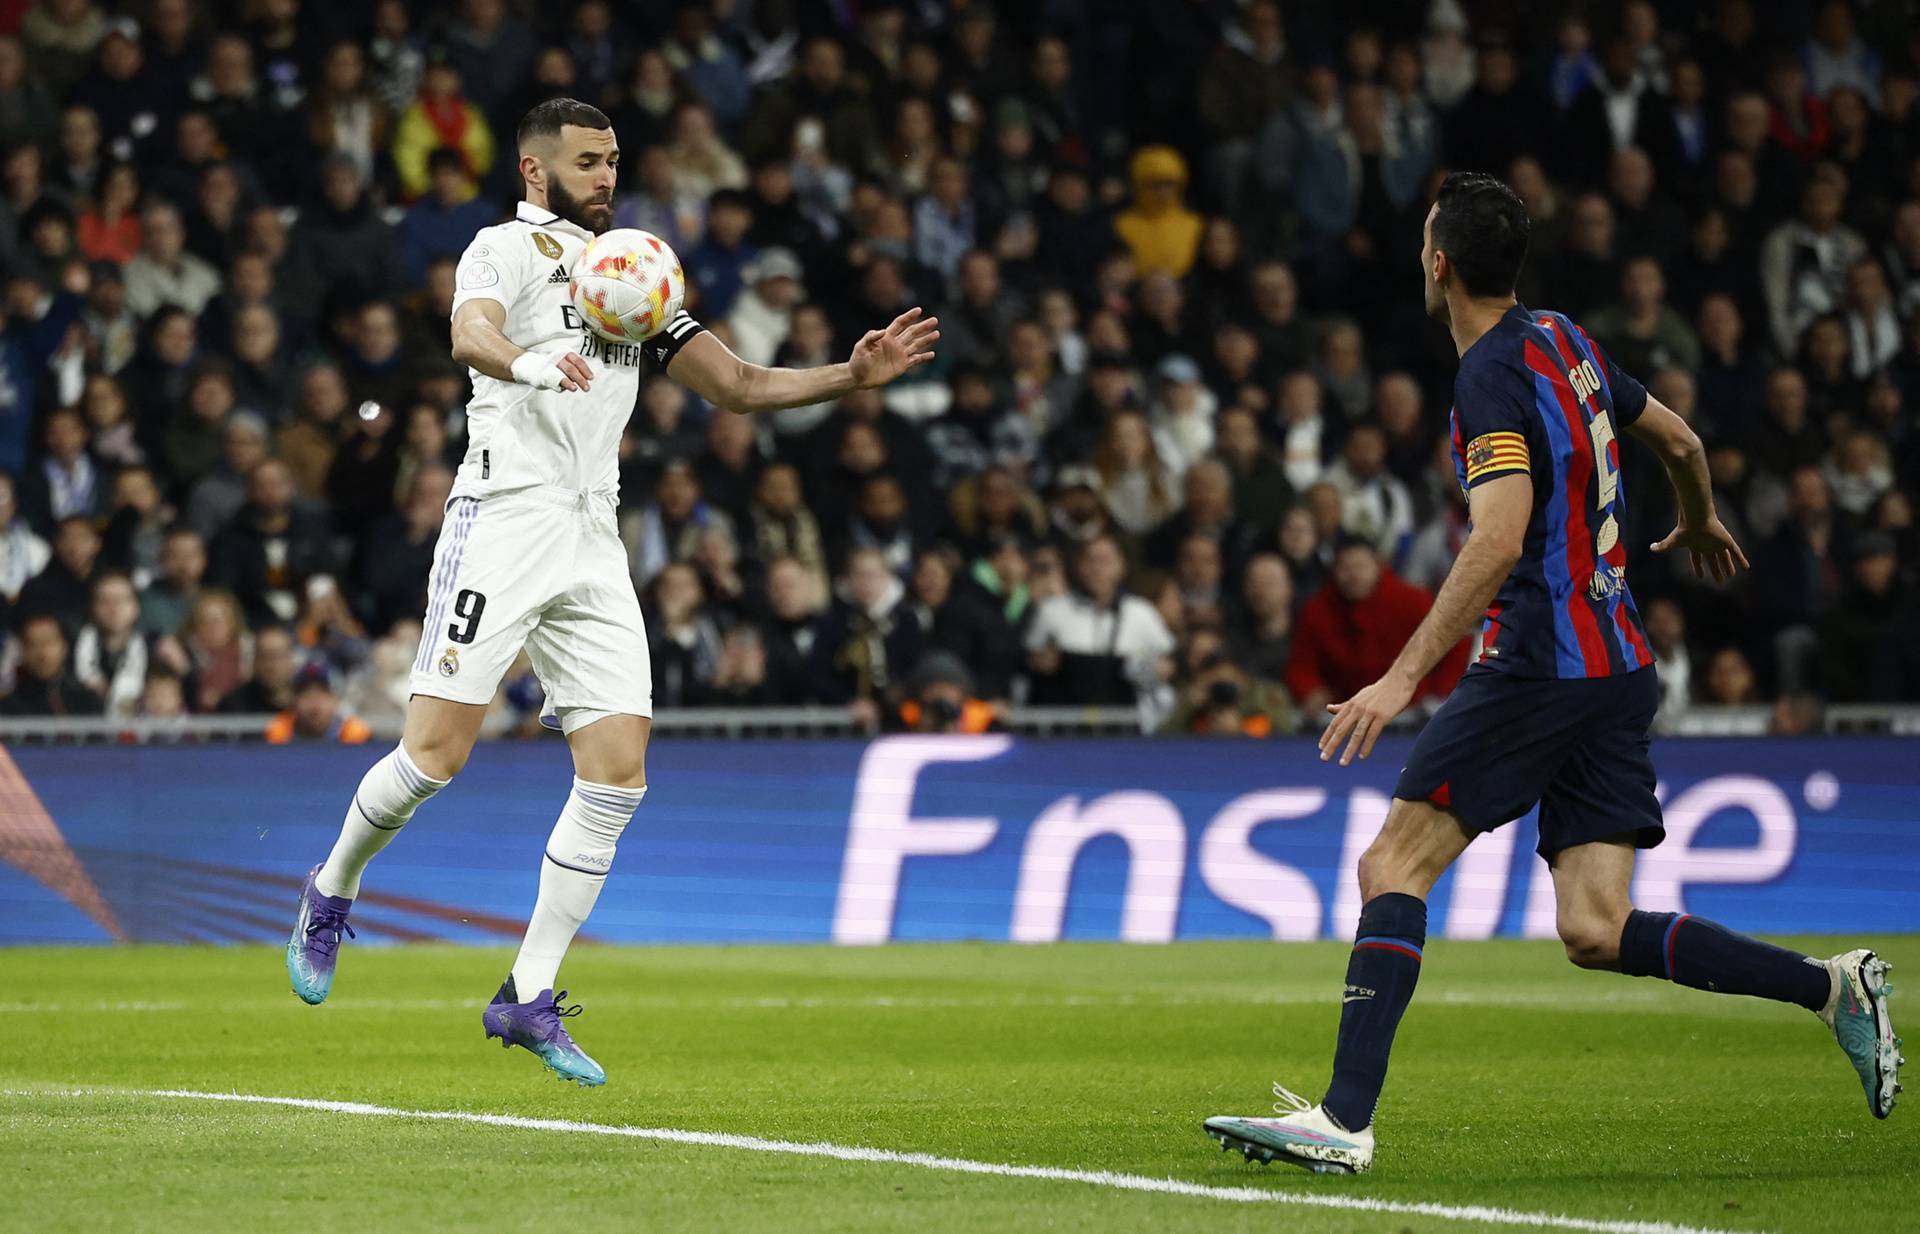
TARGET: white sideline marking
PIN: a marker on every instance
(929, 1161)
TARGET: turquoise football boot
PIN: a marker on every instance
(1857, 1014)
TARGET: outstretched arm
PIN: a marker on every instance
(1699, 530)
(1500, 509)
(709, 368)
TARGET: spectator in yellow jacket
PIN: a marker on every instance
(441, 116)
(1158, 229)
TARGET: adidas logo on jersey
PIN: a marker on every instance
(559, 275)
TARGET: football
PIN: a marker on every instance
(628, 285)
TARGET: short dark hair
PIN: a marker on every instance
(447, 157)
(1482, 227)
(548, 118)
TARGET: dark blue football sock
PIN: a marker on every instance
(1380, 977)
(1693, 951)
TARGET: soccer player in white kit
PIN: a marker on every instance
(529, 556)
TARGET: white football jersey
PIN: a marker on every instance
(520, 437)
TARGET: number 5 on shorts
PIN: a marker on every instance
(467, 606)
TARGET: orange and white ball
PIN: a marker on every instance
(628, 285)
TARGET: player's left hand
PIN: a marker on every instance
(882, 355)
(1712, 547)
(1360, 719)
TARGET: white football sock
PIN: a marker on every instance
(579, 854)
(389, 793)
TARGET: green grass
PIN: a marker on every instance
(1519, 1082)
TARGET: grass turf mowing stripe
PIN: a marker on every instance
(1648, 1001)
(929, 1161)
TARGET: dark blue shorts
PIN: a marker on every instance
(1576, 746)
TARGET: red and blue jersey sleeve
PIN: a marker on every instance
(1625, 394)
(1493, 421)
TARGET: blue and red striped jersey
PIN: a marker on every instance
(1535, 394)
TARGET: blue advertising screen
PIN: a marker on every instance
(918, 838)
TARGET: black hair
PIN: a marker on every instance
(44, 210)
(448, 157)
(1482, 227)
(548, 118)
(161, 316)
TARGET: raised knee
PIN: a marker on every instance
(1373, 872)
(623, 773)
(1591, 942)
(1385, 868)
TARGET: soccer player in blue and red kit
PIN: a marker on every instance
(1557, 709)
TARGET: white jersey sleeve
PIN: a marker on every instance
(494, 267)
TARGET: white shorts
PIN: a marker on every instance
(544, 569)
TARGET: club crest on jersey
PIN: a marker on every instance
(548, 246)
(449, 663)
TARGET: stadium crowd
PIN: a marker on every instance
(1185, 447)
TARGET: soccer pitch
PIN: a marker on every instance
(745, 1082)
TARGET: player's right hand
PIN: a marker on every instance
(568, 371)
(1361, 719)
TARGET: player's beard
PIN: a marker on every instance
(596, 215)
(1436, 304)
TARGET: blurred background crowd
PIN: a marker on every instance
(1185, 448)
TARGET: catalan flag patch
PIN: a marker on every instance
(1490, 454)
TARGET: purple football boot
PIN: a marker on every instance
(315, 944)
(536, 1026)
